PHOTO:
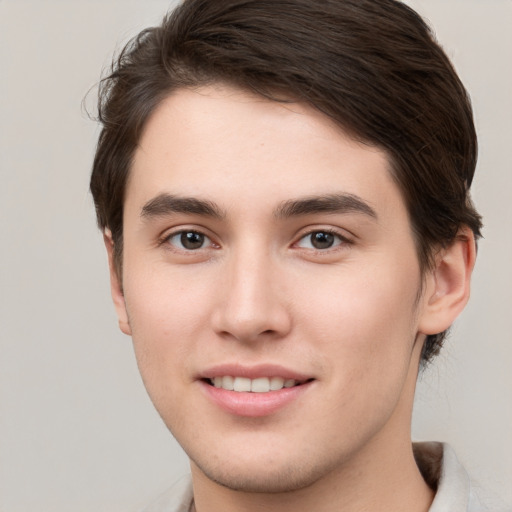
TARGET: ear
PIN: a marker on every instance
(448, 284)
(116, 287)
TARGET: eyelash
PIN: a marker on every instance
(342, 241)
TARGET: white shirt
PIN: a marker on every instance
(437, 462)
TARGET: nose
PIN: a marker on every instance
(252, 302)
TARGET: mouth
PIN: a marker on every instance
(258, 385)
(255, 390)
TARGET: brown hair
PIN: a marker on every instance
(373, 66)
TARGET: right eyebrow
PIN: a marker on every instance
(166, 204)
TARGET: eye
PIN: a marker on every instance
(189, 240)
(320, 240)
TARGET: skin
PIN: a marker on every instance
(351, 317)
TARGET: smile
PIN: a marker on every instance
(254, 397)
(246, 385)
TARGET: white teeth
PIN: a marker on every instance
(228, 382)
(259, 385)
(242, 384)
(276, 383)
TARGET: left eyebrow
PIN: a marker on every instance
(331, 204)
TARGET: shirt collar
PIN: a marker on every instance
(444, 473)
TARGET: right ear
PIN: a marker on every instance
(116, 287)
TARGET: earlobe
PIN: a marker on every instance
(116, 288)
(448, 284)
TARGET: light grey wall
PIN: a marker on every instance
(77, 431)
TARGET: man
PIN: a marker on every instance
(283, 188)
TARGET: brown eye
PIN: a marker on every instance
(320, 240)
(189, 240)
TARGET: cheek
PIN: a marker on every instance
(365, 319)
(167, 314)
(365, 334)
(164, 300)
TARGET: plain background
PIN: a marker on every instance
(77, 431)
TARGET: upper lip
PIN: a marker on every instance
(253, 372)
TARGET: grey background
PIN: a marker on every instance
(77, 431)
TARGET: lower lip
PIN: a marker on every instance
(254, 404)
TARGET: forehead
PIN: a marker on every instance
(225, 144)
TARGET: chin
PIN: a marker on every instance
(270, 479)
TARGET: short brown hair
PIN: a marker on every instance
(373, 66)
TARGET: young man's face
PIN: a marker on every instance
(261, 244)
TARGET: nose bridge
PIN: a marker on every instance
(251, 304)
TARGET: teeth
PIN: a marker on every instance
(241, 384)
(259, 385)
(276, 383)
(228, 383)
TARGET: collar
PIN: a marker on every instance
(442, 470)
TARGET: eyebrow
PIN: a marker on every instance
(331, 204)
(167, 204)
